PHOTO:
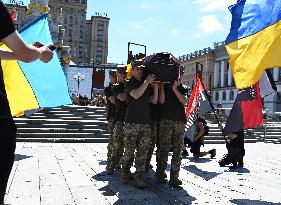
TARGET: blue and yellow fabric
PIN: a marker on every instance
(254, 41)
(35, 85)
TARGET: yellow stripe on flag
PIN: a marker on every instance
(251, 55)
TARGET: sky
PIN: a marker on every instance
(176, 26)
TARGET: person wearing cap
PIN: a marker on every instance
(110, 113)
(137, 130)
(171, 132)
(120, 111)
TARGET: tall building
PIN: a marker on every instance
(87, 39)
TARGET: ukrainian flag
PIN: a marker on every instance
(254, 42)
(35, 85)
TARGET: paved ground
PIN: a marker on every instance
(67, 174)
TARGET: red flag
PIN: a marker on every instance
(198, 105)
(246, 111)
(13, 15)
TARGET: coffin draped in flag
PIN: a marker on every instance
(246, 111)
(35, 85)
(254, 42)
(198, 105)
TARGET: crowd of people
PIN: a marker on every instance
(142, 114)
(97, 100)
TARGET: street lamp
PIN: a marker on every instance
(79, 78)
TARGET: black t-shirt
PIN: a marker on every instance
(110, 107)
(138, 111)
(172, 109)
(6, 28)
(120, 106)
(155, 112)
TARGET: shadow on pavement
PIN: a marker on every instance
(199, 160)
(255, 202)
(102, 162)
(201, 173)
(19, 157)
(238, 170)
(154, 194)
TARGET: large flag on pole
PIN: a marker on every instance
(198, 105)
(246, 111)
(35, 85)
(254, 42)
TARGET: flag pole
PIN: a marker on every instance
(199, 73)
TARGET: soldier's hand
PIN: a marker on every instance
(150, 78)
(176, 84)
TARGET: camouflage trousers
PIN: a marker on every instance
(153, 140)
(171, 133)
(118, 144)
(137, 136)
(110, 126)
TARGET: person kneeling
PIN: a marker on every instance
(198, 141)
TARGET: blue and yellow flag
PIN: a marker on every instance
(254, 42)
(35, 85)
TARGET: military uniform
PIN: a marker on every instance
(171, 133)
(137, 131)
(110, 117)
(118, 131)
(155, 118)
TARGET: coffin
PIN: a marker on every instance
(163, 65)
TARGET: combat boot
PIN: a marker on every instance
(226, 160)
(175, 182)
(126, 175)
(139, 183)
(212, 153)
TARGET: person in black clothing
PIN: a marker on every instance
(198, 139)
(19, 51)
(120, 112)
(110, 113)
(171, 132)
(235, 150)
(137, 130)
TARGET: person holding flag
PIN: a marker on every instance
(19, 51)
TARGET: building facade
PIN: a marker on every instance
(225, 92)
(204, 57)
(87, 39)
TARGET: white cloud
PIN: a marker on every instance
(137, 26)
(210, 24)
(174, 32)
(213, 5)
(147, 5)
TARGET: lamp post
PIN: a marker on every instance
(79, 78)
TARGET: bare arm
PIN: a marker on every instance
(161, 94)
(122, 96)
(8, 55)
(154, 98)
(201, 131)
(22, 51)
(111, 99)
(137, 93)
(180, 96)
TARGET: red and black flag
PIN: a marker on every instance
(13, 15)
(246, 111)
(199, 104)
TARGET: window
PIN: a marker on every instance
(217, 95)
(231, 95)
(223, 95)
